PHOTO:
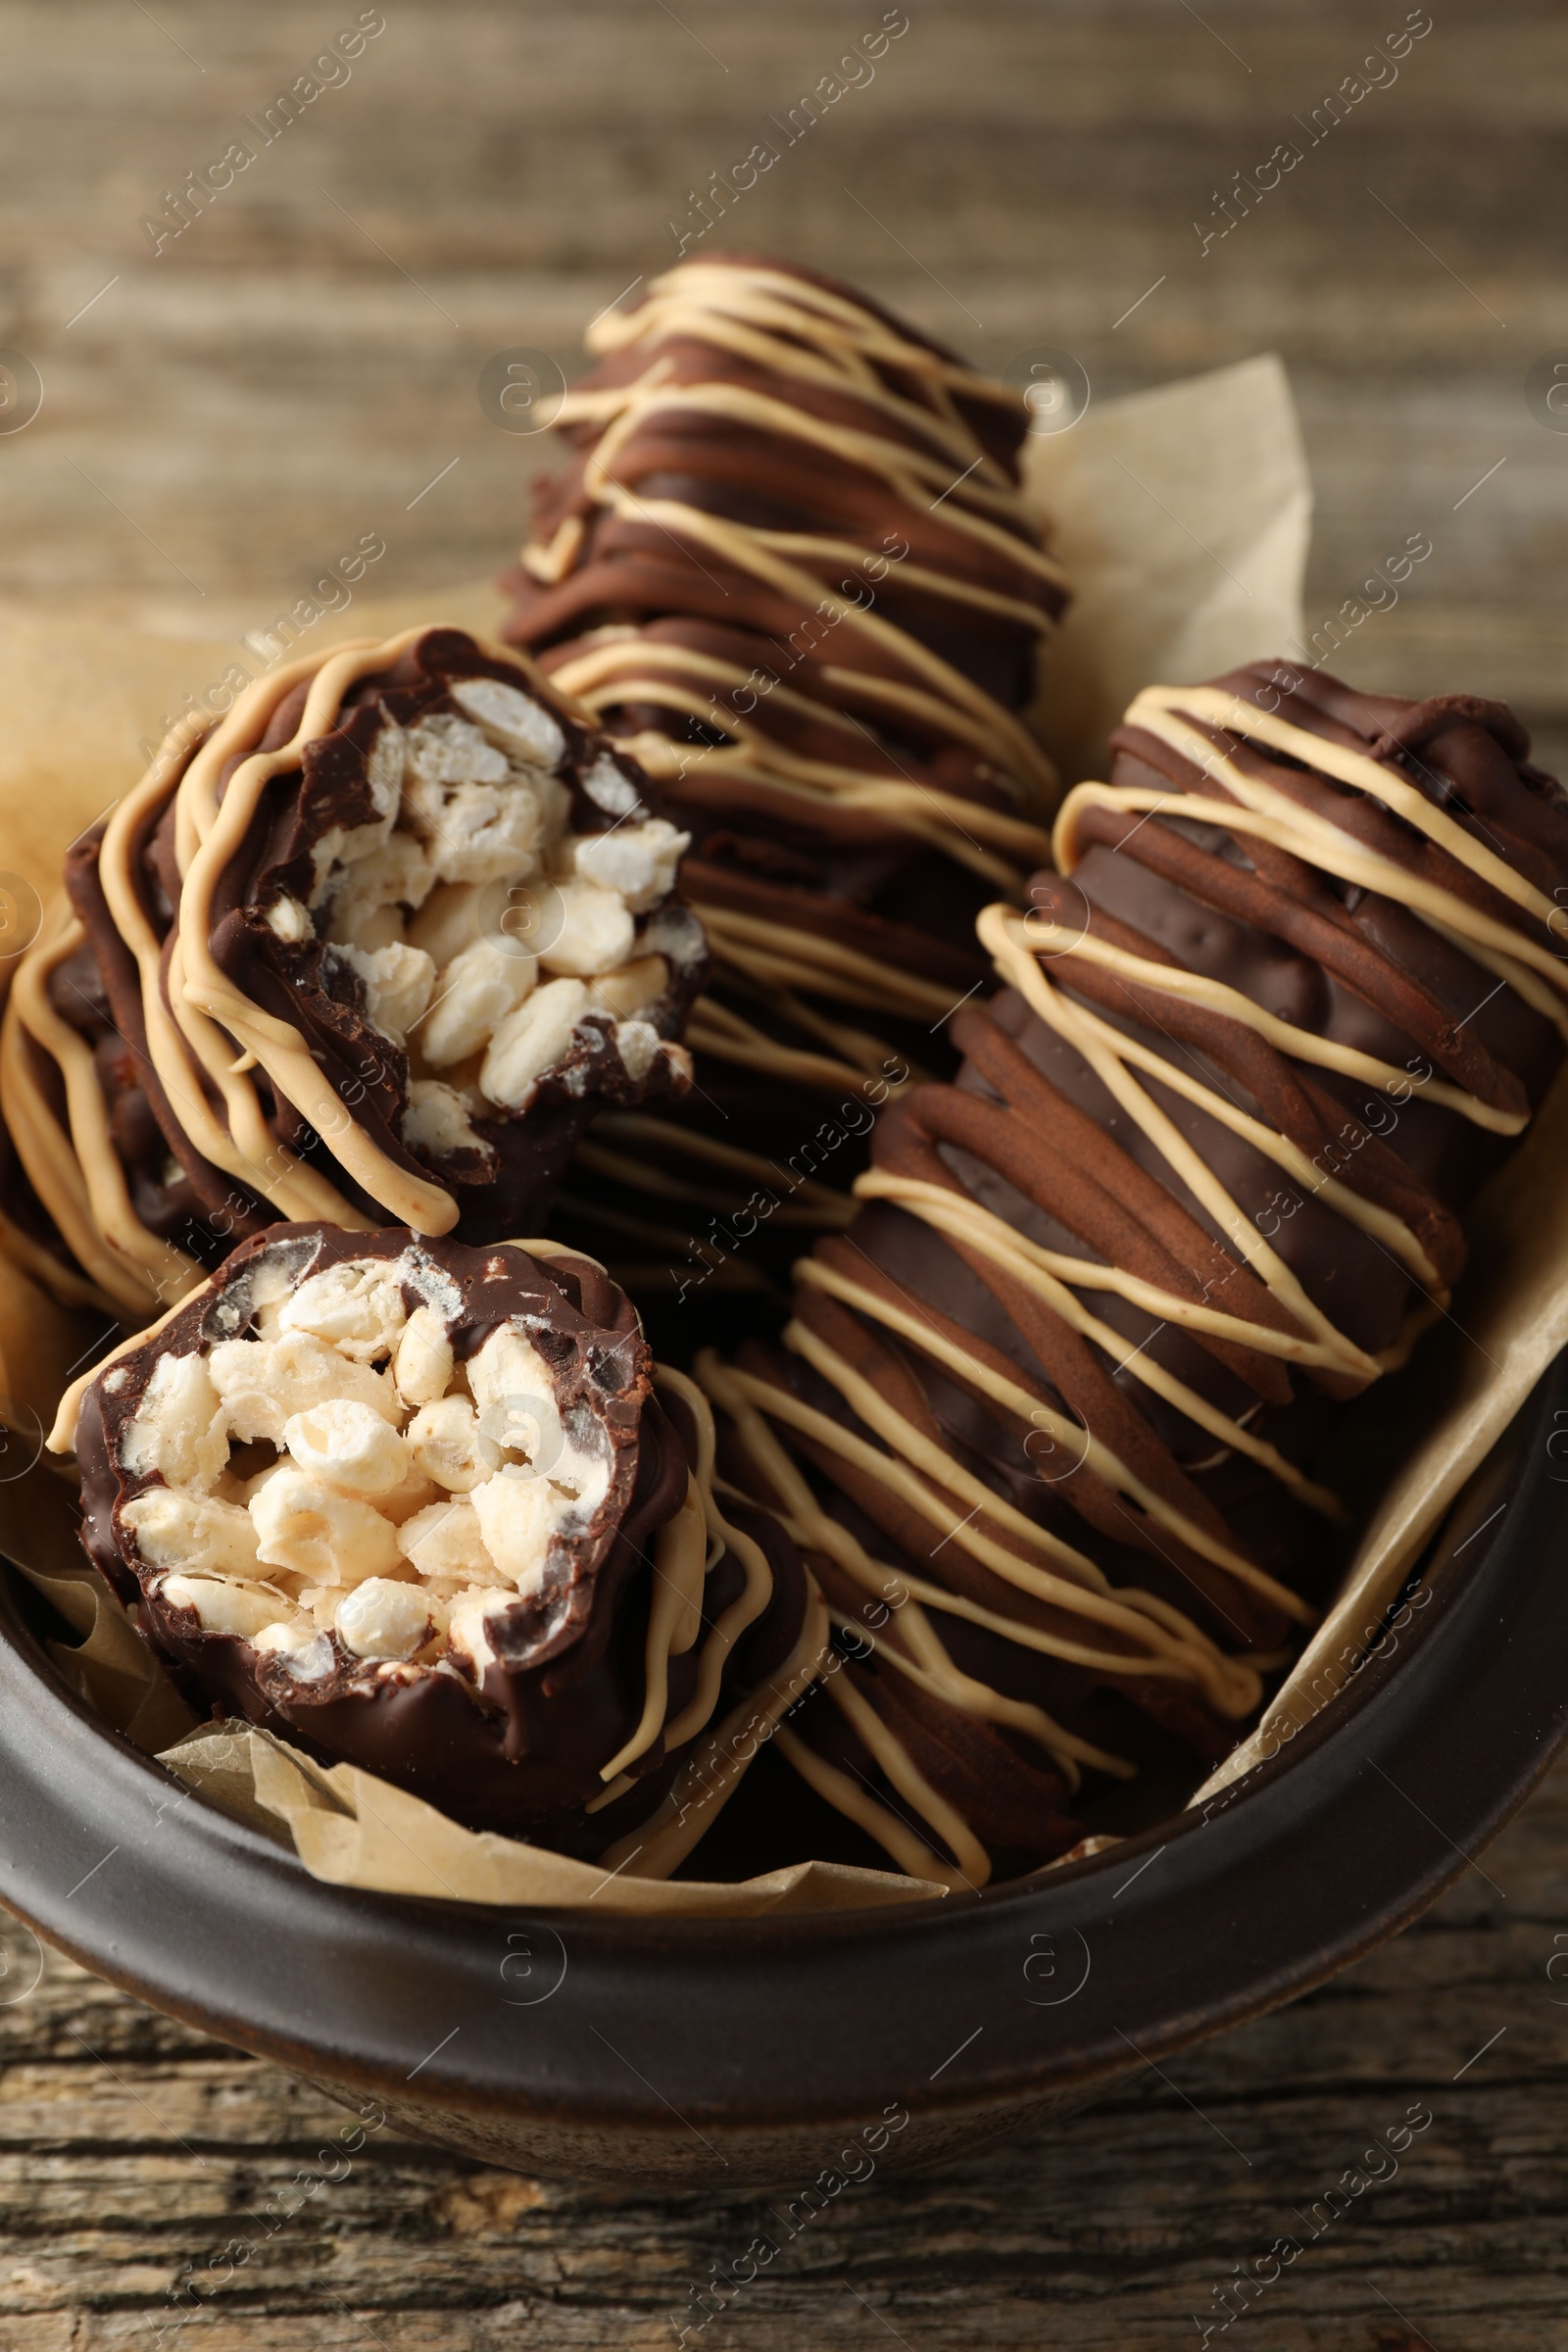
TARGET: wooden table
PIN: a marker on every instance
(224, 416)
(130, 2148)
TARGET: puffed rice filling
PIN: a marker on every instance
(485, 934)
(339, 1490)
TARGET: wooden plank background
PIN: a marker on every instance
(225, 416)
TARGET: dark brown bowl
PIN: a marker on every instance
(695, 2053)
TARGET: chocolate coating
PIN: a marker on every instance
(1290, 995)
(515, 1737)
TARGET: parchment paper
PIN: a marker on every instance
(41, 1349)
(1183, 516)
(108, 1665)
(357, 1831)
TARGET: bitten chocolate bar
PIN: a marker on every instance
(375, 950)
(435, 1511)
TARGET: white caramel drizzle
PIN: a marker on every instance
(192, 1057)
(719, 1030)
(708, 1778)
(66, 1284)
(723, 1033)
(778, 955)
(612, 670)
(924, 1658)
(920, 1474)
(903, 1845)
(812, 337)
(948, 699)
(972, 1864)
(82, 1183)
(686, 1549)
(1175, 1648)
(1114, 1058)
(1234, 1005)
(926, 1663)
(1013, 1398)
(807, 335)
(813, 1206)
(1047, 1271)
(1159, 710)
(1000, 931)
(775, 963)
(697, 1180)
(1284, 1036)
(680, 1562)
(960, 1218)
(1260, 811)
(75, 1172)
(1264, 812)
(210, 834)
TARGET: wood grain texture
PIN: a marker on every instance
(136, 2156)
(299, 367)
